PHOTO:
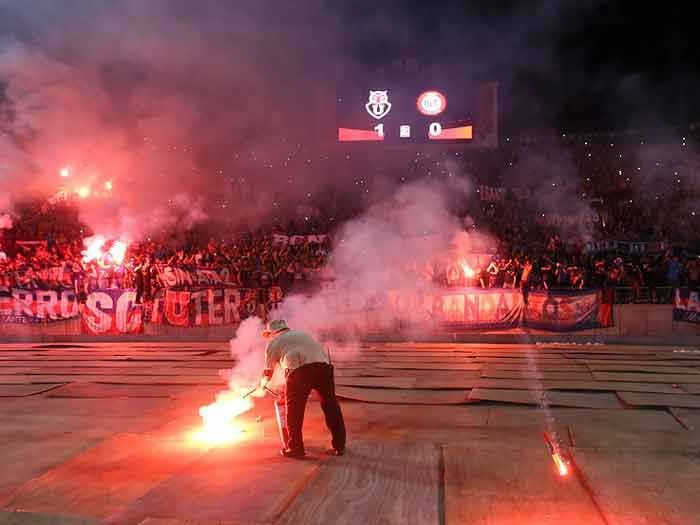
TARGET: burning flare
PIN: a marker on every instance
(117, 251)
(466, 269)
(93, 248)
(83, 192)
(97, 248)
(219, 419)
(560, 461)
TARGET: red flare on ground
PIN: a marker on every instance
(562, 467)
(219, 425)
(559, 460)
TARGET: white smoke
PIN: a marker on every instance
(5, 206)
(390, 248)
(247, 351)
(115, 219)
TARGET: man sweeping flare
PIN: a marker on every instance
(307, 366)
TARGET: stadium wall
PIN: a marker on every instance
(639, 322)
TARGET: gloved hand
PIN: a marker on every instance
(263, 384)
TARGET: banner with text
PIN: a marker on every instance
(296, 240)
(212, 306)
(473, 309)
(114, 311)
(111, 311)
(36, 306)
(175, 277)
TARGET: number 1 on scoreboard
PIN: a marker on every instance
(379, 128)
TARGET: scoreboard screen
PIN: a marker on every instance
(404, 115)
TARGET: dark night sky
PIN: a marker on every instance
(571, 65)
(562, 65)
(177, 89)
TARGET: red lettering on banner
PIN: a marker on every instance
(215, 307)
(210, 306)
(196, 298)
(176, 307)
(156, 310)
(232, 301)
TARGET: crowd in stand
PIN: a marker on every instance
(647, 278)
(251, 261)
(257, 261)
(635, 187)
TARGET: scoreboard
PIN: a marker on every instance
(403, 114)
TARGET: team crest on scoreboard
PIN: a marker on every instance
(378, 105)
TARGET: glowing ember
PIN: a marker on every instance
(218, 419)
(64, 172)
(562, 467)
(466, 269)
(109, 185)
(83, 192)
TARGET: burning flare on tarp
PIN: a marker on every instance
(219, 425)
(558, 457)
(560, 463)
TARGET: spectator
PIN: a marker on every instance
(674, 272)
(692, 272)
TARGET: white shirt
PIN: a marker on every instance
(292, 349)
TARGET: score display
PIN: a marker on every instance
(403, 116)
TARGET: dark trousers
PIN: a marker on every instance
(300, 383)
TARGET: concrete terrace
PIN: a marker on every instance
(438, 433)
